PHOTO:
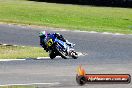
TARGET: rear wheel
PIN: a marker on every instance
(52, 55)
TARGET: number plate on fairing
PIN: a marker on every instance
(49, 42)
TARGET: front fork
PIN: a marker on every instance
(69, 51)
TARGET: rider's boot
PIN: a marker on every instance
(70, 44)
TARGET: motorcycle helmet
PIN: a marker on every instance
(58, 33)
(42, 33)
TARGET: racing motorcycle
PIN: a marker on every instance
(60, 48)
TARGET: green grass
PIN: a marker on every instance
(13, 52)
(72, 17)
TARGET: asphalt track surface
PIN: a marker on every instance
(103, 54)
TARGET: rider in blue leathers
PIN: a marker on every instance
(43, 36)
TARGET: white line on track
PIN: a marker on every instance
(12, 59)
(106, 33)
(38, 58)
(118, 34)
(25, 84)
(79, 54)
(92, 32)
(60, 29)
(4, 44)
(46, 57)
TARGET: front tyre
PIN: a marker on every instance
(74, 55)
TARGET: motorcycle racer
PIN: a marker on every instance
(43, 36)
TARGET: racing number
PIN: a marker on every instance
(50, 42)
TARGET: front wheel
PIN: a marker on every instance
(74, 55)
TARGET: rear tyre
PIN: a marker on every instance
(52, 55)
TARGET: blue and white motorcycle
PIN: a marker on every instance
(60, 48)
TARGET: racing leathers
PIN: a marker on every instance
(43, 42)
(58, 36)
